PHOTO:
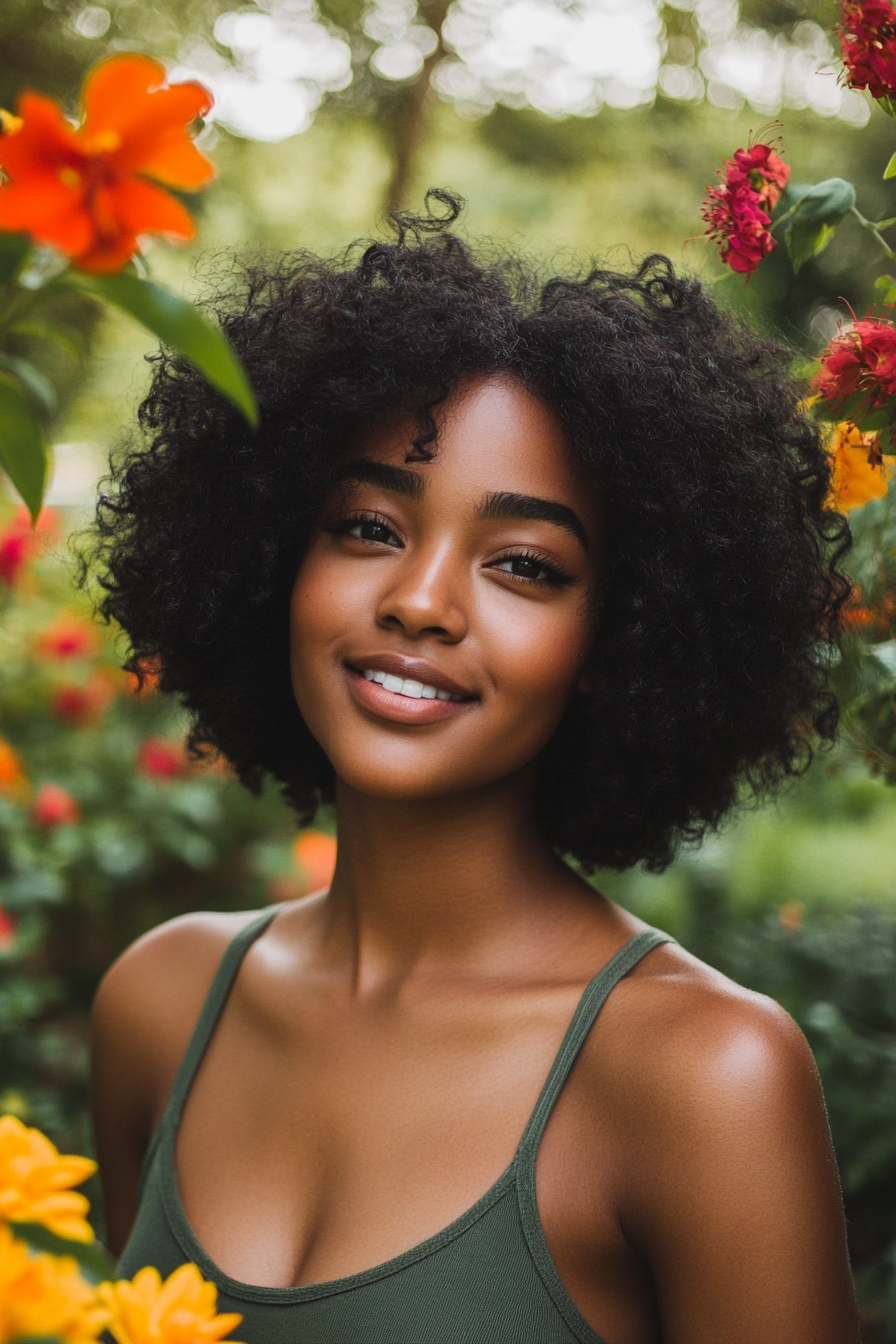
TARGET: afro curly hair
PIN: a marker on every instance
(719, 595)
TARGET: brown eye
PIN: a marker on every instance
(522, 567)
(367, 529)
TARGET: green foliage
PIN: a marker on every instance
(182, 327)
(814, 217)
(23, 450)
(94, 1261)
(146, 834)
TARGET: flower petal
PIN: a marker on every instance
(126, 100)
(45, 141)
(117, 90)
(142, 207)
(50, 212)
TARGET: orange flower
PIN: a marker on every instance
(90, 190)
(860, 471)
(315, 855)
(13, 780)
(179, 1311)
(36, 1182)
(44, 1296)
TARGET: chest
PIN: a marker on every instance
(316, 1145)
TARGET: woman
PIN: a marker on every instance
(513, 571)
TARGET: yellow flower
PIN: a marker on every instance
(860, 471)
(36, 1181)
(179, 1311)
(44, 1295)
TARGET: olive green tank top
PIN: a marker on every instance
(487, 1278)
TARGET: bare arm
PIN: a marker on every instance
(734, 1198)
(143, 1016)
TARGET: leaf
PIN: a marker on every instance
(890, 170)
(66, 338)
(94, 1261)
(184, 328)
(23, 452)
(815, 217)
(13, 251)
(887, 105)
(887, 285)
(39, 388)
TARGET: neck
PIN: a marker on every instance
(438, 882)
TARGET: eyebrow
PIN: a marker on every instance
(532, 509)
(498, 505)
(397, 479)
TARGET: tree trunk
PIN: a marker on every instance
(412, 116)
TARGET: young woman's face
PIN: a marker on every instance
(440, 617)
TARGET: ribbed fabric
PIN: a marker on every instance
(487, 1278)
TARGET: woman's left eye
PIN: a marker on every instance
(530, 568)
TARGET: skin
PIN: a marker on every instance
(385, 1042)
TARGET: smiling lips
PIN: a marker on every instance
(405, 699)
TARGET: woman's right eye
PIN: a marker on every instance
(366, 529)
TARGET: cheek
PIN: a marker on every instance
(538, 657)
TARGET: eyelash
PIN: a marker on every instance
(553, 574)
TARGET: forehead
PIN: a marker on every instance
(493, 436)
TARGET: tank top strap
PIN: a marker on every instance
(590, 1004)
(212, 1008)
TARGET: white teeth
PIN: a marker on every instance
(414, 690)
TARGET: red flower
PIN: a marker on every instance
(867, 33)
(14, 547)
(160, 758)
(68, 638)
(7, 930)
(19, 542)
(861, 360)
(79, 704)
(54, 806)
(91, 190)
(735, 211)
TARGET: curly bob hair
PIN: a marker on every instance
(719, 593)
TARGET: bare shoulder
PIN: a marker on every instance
(150, 998)
(697, 1043)
(168, 970)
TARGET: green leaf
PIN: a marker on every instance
(887, 285)
(184, 328)
(39, 388)
(37, 1339)
(890, 170)
(14, 249)
(66, 338)
(23, 452)
(94, 1261)
(816, 215)
(887, 105)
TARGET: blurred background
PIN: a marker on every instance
(584, 127)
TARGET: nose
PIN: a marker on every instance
(427, 594)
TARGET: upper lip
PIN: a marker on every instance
(409, 669)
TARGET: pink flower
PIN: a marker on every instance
(867, 33)
(862, 360)
(54, 806)
(736, 210)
